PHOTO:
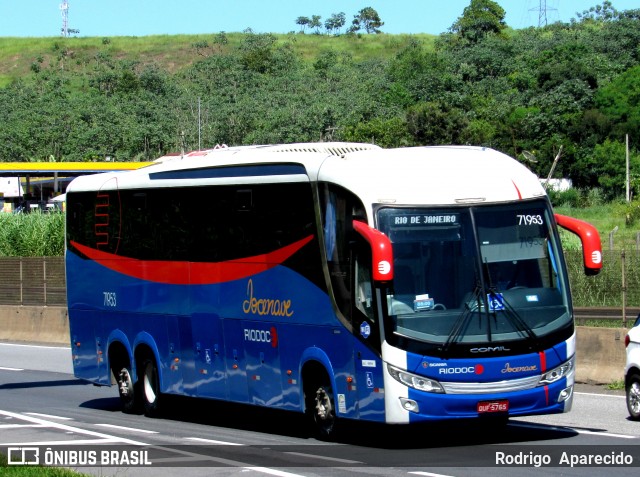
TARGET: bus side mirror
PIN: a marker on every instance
(381, 252)
(591, 245)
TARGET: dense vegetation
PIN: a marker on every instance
(32, 235)
(569, 88)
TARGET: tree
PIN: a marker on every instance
(391, 132)
(257, 52)
(479, 19)
(368, 19)
(435, 123)
(303, 22)
(619, 102)
(605, 12)
(335, 22)
(315, 23)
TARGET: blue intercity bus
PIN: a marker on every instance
(344, 281)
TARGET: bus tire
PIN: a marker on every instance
(130, 395)
(322, 411)
(150, 388)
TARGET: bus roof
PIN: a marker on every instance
(436, 175)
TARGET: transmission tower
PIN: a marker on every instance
(65, 30)
(542, 12)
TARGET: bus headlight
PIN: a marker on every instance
(414, 381)
(557, 373)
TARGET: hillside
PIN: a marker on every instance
(173, 53)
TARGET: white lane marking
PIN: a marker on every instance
(279, 473)
(607, 434)
(211, 441)
(130, 429)
(322, 457)
(10, 369)
(67, 428)
(602, 395)
(66, 348)
(49, 416)
(429, 474)
(95, 442)
(16, 426)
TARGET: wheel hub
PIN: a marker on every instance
(323, 405)
(124, 383)
(634, 397)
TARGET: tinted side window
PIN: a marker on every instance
(198, 224)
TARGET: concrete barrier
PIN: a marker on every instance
(40, 324)
(600, 352)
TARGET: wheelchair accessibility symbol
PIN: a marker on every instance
(370, 380)
(496, 301)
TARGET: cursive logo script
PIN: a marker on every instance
(518, 369)
(265, 306)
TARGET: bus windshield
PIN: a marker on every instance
(477, 276)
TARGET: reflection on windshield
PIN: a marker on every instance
(482, 274)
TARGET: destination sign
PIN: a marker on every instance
(424, 219)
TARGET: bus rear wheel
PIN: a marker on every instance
(150, 388)
(129, 392)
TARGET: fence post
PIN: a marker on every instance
(624, 289)
(44, 278)
(21, 283)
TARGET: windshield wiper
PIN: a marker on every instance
(514, 317)
(462, 320)
(510, 313)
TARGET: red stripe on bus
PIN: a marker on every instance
(517, 190)
(191, 273)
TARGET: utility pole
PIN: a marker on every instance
(628, 181)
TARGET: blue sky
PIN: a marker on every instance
(43, 18)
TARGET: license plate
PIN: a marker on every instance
(493, 406)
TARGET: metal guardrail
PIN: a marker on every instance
(583, 315)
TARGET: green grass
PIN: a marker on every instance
(360, 47)
(616, 385)
(601, 323)
(606, 218)
(24, 471)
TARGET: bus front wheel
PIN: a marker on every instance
(322, 411)
(150, 388)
